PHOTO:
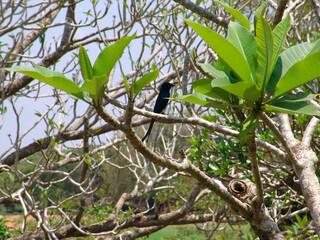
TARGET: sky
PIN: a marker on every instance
(30, 108)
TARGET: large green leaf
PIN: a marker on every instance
(95, 88)
(203, 86)
(240, 37)
(300, 73)
(85, 64)
(212, 70)
(260, 12)
(226, 50)
(248, 129)
(145, 80)
(245, 90)
(201, 99)
(264, 40)
(298, 97)
(236, 14)
(279, 34)
(288, 58)
(293, 108)
(53, 78)
(109, 56)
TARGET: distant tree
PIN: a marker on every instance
(242, 126)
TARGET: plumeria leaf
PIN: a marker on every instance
(85, 64)
(145, 80)
(300, 73)
(109, 56)
(226, 50)
(236, 14)
(53, 78)
(302, 107)
(264, 40)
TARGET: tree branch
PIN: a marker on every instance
(316, 6)
(256, 173)
(212, 184)
(278, 134)
(309, 131)
(279, 12)
(203, 13)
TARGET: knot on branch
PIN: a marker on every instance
(244, 190)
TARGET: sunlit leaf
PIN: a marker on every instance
(95, 88)
(293, 108)
(288, 58)
(206, 67)
(226, 50)
(85, 64)
(203, 86)
(260, 12)
(240, 37)
(145, 80)
(279, 34)
(245, 90)
(53, 78)
(201, 99)
(109, 56)
(298, 97)
(264, 40)
(236, 14)
(300, 73)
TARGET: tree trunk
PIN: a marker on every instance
(304, 166)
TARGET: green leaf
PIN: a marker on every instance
(226, 50)
(259, 12)
(201, 99)
(279, 34)
(53, 78)
(109, 56)
(300, 73)
(240, 37)
(288, 58)
(85, 64)
(145, 80)
(208, 68)
(293, 108)
(264, 40)
(248, 129)
(236, 14)
(301, 96)
(222, 66)
(95, 88)
(127, 85)
(203, 86)
(245, 90)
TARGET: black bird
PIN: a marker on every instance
(161, 103)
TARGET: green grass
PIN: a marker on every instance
(176, 232)
(190, 232)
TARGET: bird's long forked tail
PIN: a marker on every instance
(149, 131)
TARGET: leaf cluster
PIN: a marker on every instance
(95, 77)
(252, 73)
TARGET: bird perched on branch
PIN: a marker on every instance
(160, 105)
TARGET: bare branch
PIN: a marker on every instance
(309, 131)
(203, 13)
